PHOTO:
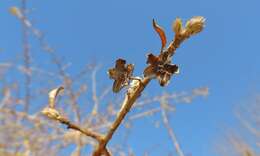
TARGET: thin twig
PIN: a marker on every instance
(170, 130)
(146, 113)
(68, 86)
(94, 91)
(87, 132)
(26, 55)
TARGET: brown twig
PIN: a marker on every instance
(94, 91)
(126, 106)
(52, 113)
(87, 132)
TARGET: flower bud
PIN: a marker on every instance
(195, 25)
(177, 26)
(51, 113)
(15, 11)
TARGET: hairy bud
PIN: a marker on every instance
(51, 113)
(15, 11)
(177, 26)
(195, 25)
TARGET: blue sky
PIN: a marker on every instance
(224, 57)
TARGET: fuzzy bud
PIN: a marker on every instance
(15, 11)
(51, 113)
(195, 25)
(177, 26)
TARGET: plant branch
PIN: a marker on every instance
(161, 62)
(170, 130)
(76, 127)
(159, 67)
(26, 56)
(126, 106)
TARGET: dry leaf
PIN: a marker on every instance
(161, 33)
(53, 94)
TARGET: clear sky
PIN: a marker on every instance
(224, 57)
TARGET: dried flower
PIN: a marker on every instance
(159, 68)
(121, 74)
(194, 25)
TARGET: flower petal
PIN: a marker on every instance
(164, 79)
(152, 59)
(120, 64)
(171, 68)
(117, 86)
(130, 69)
(121, 74)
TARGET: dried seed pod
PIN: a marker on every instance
(160, 69)
(121, 73)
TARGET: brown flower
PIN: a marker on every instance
(160, 69)
(121, 74)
